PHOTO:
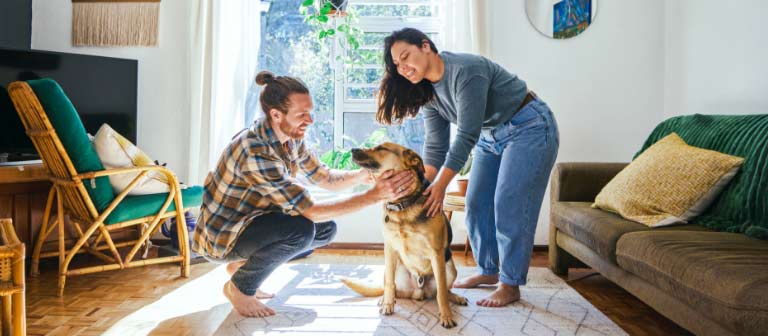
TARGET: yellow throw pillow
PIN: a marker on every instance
(669, 183)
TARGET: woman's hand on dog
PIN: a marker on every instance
(390, 186)
(436, 195)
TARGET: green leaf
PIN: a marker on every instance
(467, 166)
(322, 34)
(329, 158)
(307, 3)
(353, 42)
(330, 31)
(377, 137)
(344, 159)
(322, 18)
(343, 28)
(325, 10)
(350, 139)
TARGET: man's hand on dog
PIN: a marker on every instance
(366, 177)
(391, 186)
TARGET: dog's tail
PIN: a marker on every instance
(363, 289)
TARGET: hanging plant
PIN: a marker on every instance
(323, 15)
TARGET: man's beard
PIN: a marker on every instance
(293, 133)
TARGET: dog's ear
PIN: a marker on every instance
(413, 160)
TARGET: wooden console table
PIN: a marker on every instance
(23, 192)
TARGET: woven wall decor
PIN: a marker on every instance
(115, 22)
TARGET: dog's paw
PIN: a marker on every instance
(447, 322)
(387, 308)
(459, 300)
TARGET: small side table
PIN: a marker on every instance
(449, 208)
(13, 321)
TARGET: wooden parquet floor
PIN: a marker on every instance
(93, 303)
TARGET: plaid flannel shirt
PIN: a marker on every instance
(254, 176)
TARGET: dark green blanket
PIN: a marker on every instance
(743, 205)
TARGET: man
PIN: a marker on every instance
(255, 216)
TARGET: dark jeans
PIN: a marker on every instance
(270, 240)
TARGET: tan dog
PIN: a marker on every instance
(417, 256)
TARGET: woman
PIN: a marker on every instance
(515, 141)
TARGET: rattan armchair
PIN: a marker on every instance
(41, 105)
(12, 281)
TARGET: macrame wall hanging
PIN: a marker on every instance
(115, 22)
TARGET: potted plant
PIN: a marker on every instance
(337, 6)
(462, 180)
(323, 13)
(341, 158)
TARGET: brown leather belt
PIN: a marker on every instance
(528, 98)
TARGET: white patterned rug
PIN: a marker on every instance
(311, 301)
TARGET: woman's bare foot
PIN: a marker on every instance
(234, 266)
(501, 297)
(473, 281)
(245, 305)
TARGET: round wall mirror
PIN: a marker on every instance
(561, 19)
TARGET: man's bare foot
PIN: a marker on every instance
(248, 306)
(234, 266)
(501, 297)
(473, 281)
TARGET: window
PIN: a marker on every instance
(344, 96)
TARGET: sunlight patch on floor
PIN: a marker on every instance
(200, 301)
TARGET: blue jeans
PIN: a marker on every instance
(269, 241)
(509, 175)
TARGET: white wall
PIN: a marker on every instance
(163, 93)
(605, 86)
(541, 14)
(638, 63)
(716, 57)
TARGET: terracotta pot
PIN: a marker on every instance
(339, 7)
(462, 186)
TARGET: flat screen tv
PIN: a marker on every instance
(102, 90)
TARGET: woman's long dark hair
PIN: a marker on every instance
(398, 97)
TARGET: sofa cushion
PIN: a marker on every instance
(670, 183)
(115, 151)
(598, 229)
(743, 204)
(725, 275)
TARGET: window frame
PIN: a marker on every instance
(370, 24)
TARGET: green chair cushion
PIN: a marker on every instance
(133, 207)
(743, 206)
(71, 132)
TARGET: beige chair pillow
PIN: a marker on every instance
(669, 183)
(115, 151)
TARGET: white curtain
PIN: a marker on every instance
(224, 57)
(466, 26)
(201, 54)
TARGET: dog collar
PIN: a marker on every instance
(400, 206)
